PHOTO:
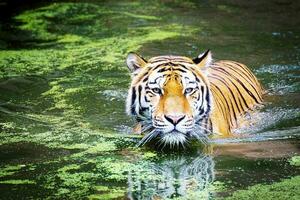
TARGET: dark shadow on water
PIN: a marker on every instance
(16, 91)
(11, 36)
(29, 153)
(10, 8)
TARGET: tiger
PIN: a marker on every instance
(176, 99)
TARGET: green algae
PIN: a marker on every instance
(115, 47)
(18, 182)
(93, 54)
(9, 170)
(107, 193)
(38, 62)
(286, 189)
(98, 148)
(149, 155)
(78, 177)
(139, 16)
(295, 161)
(218, 186)
(11, 127)
(90, 53)
(58, 57)
(114, 169)
(79, 50)
(102, 147)
(73, 181)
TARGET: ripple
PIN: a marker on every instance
(124, 129)
(277, 68)
(264, 120)
(114, 94)
(280, 79)
(289, 133)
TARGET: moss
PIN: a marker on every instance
(295, 161)
(286, 189)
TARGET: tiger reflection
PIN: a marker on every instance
(178, 176)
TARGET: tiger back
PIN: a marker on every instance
(235, 91)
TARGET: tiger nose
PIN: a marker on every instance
(174, 119)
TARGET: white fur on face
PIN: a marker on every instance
(174, 138)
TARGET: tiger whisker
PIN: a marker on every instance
(154, 133)
(205, 129)
(148, 137)
(203, 139)
(161, 142)
(143, 140)
(209, 131)
(146, 128)
(200, 137)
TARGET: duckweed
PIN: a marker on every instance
(295, 161)
(286, 189)
(17, 182)
(112, 193)
(9, 170)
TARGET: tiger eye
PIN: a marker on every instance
(188, 90)
(156, 90)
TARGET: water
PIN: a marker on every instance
(63, 83)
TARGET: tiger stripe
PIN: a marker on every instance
(222, 91)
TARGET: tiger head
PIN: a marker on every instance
(169, 96)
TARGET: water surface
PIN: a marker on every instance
(63, 84)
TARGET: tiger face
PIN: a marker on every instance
(169, 95)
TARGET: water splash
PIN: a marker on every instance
(280, 79)
(265, 120)
(289, 133)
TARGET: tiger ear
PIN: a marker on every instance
(204, 59)
(135, 62)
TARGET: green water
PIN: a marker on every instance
(64, 133)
